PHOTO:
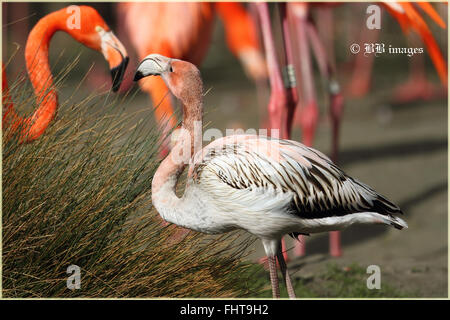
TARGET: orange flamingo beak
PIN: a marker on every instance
(116, 55)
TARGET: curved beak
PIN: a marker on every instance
(117, 74)
(117, 57)
(152, 65)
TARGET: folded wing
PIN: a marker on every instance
(284, 169)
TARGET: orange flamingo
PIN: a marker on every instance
(88, 28)
(183, 31)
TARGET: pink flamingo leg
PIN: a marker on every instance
(336, 98)
(327, 70)
(285, 273)
(293, 99)
(278, 97)
(274, 276)
(290, 81)
(281, 105)
(308, 112)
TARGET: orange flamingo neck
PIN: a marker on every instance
(38, 67)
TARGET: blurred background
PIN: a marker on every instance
(399, 147)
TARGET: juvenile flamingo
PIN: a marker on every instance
(91, 31)
(269, 187)
(183, 30)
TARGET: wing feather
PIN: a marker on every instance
(318, 188)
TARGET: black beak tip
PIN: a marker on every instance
(117, 74)
(138, 76)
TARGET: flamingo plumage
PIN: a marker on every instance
(93, 32)
(183, 30)
(267, 186)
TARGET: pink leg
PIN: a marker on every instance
(274, 276)
(285, 273)
(335, 244)
(327, 70)
(336, 110)
(281, 106)
(264, 260)
(278, 97)
(290, 85)
(307, 114)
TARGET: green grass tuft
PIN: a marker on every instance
(80, 194)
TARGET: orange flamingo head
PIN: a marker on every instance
(86, 25)
(181, 77)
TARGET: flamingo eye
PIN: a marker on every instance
(100, 30)
(171, 69)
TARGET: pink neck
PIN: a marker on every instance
(188, 141)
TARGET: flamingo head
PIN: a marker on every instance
(86, 25)
(181, 77)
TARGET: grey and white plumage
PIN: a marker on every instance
(272, 187)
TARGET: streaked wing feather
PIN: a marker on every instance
(318, 187)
